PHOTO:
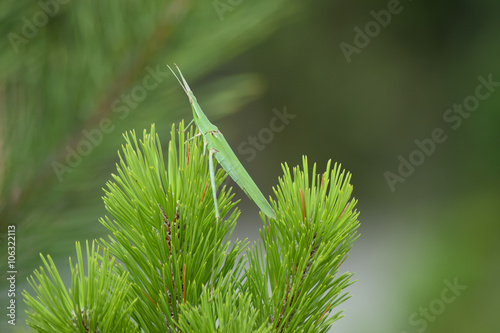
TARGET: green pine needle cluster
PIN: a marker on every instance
(231, 311)
(96, 302)
(168, 264)
(301, 252)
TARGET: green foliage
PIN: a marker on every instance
(176, 269)
(96, 302)
(301, 252)
(76, 70)
(229, 312)
(164, 229)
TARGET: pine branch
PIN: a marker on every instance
(95, 303)
(300, 254)
(66, 78)
(231, 312)
(164, 237)
(121, 83)
(174, 249)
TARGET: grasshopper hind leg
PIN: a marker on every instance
(212, 180)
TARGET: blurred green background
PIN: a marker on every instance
(359, 98)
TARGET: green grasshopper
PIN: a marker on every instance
(219, 148)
